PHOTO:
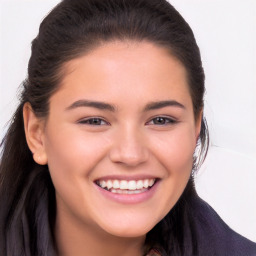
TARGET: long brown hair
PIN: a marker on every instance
(72, 28)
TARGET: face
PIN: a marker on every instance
(120, 137)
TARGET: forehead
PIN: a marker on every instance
(129, 54)
(138, 70)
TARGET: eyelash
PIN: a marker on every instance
(93, 121)
(97, 121)
(163, 119)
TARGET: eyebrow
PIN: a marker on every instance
(162, 104)
(93, 104)
(105, 106)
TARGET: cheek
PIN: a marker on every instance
(175, 150)
(72, 152)
(72, 157)
(175, 153)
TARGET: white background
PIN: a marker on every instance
(226, 34)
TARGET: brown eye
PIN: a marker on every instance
(93, 121)
(160, 120)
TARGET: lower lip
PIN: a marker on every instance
(129, 198)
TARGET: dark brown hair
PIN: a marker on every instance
(73, 28)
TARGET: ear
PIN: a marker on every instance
(34, 130)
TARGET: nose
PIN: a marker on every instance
(129, 148)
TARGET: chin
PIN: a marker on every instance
(130, 229)
(129, 232)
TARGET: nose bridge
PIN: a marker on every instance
(129, 146)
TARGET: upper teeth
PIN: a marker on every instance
(125, 184)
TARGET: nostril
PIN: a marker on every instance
(129, 160)
(129, 156)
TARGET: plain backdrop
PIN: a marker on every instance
(226, 34)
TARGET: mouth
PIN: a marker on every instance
(126, 186)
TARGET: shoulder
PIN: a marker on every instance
(214, 236)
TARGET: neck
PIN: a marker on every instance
(80, 239)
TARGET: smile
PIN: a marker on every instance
(126, 186)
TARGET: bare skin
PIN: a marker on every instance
(95, 242)
(123, 112)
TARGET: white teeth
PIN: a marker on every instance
(116, 184)
(124, 185)
(109, 184)
(145, 185)
(151, 182)
(140, 184)
(132, 185)
(125, 192)
(103, 183)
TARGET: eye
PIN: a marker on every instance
(97, 121)
(160, 120)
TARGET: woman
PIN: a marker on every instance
(99, 158)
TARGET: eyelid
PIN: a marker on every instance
(87, 119)
(171, 120)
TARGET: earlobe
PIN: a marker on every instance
(34, 130)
